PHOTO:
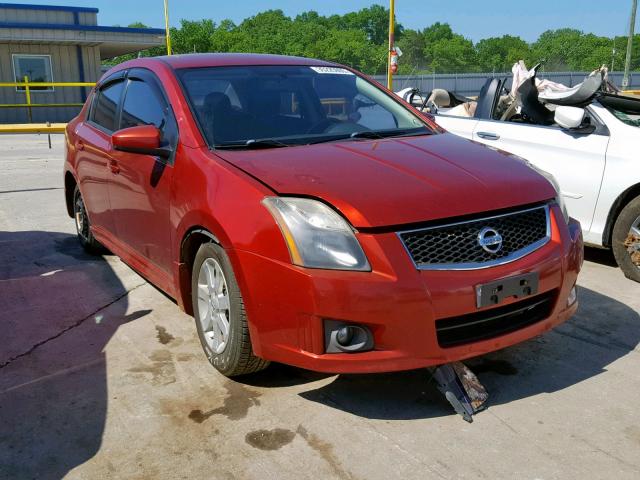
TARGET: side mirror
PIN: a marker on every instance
(143, 139)
(569, 117)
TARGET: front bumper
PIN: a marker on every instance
(287, 305)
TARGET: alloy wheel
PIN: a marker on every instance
(214, 306)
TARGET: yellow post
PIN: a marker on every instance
(391, 42)
(27, 94)
(166, 25)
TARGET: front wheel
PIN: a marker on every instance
(218, 309)
(626, 240)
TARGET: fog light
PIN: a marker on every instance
(344, 336)
(573, 296)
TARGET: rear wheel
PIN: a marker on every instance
(626, 240)
(83, 226)
(218, 309)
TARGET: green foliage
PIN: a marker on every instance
(621, 48)
(451, 55)
(498, 54)
(349, 47)
(192, 36)
(569, 49)
(374, 21)
(359, 39)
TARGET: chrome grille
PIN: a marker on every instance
(456, 246)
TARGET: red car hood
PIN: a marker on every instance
(397, 181)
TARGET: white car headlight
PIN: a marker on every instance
(552, 180)
(563, 207)
(556, 185)
(316, 235)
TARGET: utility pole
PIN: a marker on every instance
(391, 43)
(627, 63)
(166, 26)
(613, 55)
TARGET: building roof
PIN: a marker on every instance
(77, 29)
(86, 28)
(57, 8)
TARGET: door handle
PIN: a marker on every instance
(488, 135)
(113, 166)
(80, 145)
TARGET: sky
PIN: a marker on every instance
(471, 18)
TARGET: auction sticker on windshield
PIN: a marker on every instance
(332, 70)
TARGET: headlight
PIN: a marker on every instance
(316, 235)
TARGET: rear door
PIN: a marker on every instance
(94, 151)
(576, 160)
(140, 185)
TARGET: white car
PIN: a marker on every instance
(593, 151)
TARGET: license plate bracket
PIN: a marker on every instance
(518, 286)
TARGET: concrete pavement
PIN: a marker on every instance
(101, 376)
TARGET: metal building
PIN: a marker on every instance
(58, 44)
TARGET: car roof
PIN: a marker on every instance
(195, 60)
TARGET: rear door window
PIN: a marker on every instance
(105, 107)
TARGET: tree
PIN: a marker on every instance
(436, 48)
(374, 21)
(620, 45)
(349, 47)
(359, 39)
(558, 48)
(193, 36)
(412, 46)
(498, 54)
(446, 51)
(436, 32)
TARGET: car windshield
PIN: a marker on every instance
(274, 106)
(626, 109)
(629, 119)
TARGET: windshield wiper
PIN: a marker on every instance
(366, 134)
(253, 144)
(369, 134)
(389, 133)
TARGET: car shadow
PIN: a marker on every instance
(602, 331)
(603, 256)
(279, 375)
(53, 383)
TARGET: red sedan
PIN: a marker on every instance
(303, 214)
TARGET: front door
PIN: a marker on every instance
(576, 160)
(461, 126)
(140, 185)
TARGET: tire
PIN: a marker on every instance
(232, 354)
(626, 245)
(83, 226)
